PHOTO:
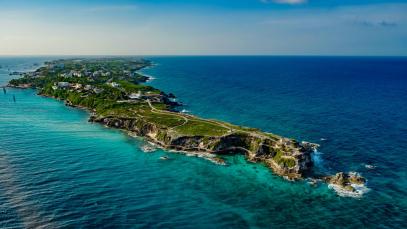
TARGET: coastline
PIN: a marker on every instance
(196, 149)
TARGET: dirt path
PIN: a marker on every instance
(184, 116)
(213, 122)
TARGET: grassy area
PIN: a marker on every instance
(200, 128)
(166, 120)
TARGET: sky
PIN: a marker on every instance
(204, 27)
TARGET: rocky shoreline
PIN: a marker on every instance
(342, 182)
(228, 144)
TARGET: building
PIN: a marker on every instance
(106, 74)
(135, 95)
(63, 85)
(76, 73)
(88, 87)
(96, 74)
(126, 72)
(114, 84)
(77, 86)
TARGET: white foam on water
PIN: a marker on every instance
(367, 166)
(360, 190)
(148, 148)
(150, 78)
(317, 158)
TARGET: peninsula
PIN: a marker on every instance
(113, 91)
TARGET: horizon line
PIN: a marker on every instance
(194, 55)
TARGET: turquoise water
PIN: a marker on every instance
(58, 170)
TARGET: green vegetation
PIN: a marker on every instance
(281, 159)
(201, 128)
(165, 120)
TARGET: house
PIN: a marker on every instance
(126, 72)
(88, 73)
(96, 74)
(76, 74)
(135, 95)
(154, 97)
(106, 74)
(114, 84)
(77, 86)
(88, 87)
(63, 85)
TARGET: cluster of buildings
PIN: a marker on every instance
(131, 97)
(94, 74)
(76, 87)
(32, 74)
(72, 73)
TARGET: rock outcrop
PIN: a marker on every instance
(346, 181)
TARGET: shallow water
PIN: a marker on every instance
(58, 170)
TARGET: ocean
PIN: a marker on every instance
(59, 171)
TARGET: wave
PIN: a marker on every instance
(148, 148)
(359, 191)
(317, 159)
(150, 77)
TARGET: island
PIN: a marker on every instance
(112, 90)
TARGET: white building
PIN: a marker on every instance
(88, 87)
(77, 86)
(106, 74)
(76, 74)
(63, 84)
(114, 84)
(135, 95)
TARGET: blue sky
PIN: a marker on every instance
(203, 27)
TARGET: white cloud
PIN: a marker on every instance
(291, 2)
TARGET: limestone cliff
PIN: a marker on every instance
(286, 157)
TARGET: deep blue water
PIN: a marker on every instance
(58, 170)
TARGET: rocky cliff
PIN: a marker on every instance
(286, 157)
